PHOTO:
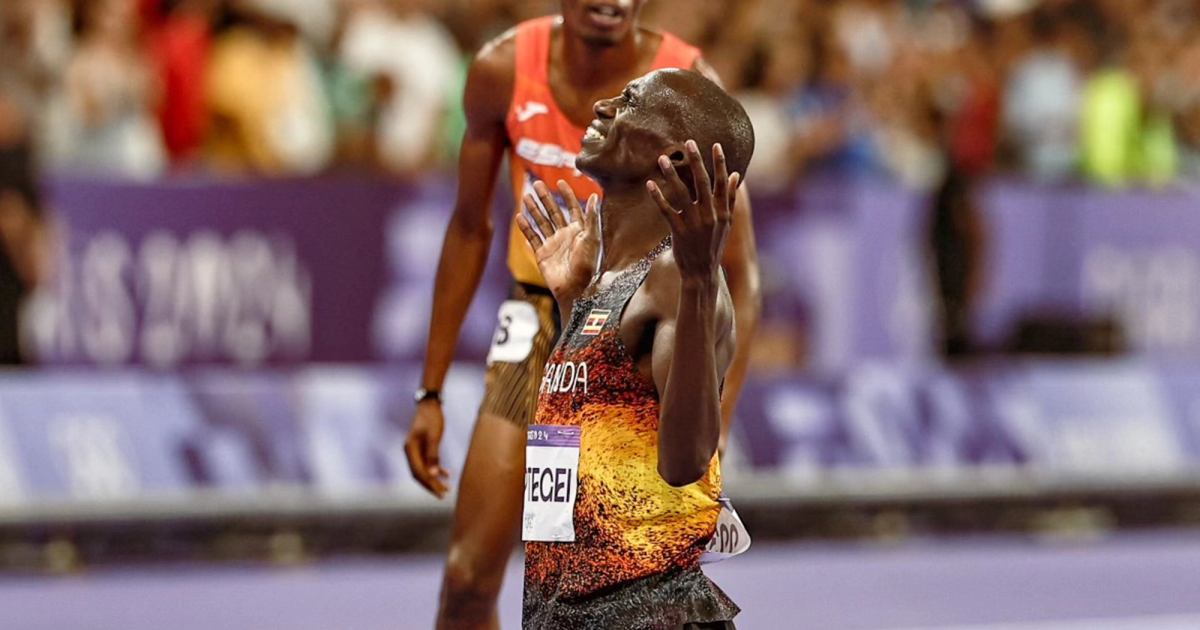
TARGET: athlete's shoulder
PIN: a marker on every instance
(663, 286)
(651, 37)
(667, 37)
(499, 55)
(490, 79)
(706, 69)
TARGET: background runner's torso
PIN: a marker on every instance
(544, 139)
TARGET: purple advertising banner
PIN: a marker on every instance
(1138, 257)
(244, 274)
(282, 273)
(250, 274)
(847, 269)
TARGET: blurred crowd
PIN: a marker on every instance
(1108, 90)
(1053, 90)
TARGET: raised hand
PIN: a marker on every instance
(568, 253)
(698, 232)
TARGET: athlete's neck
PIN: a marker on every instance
(631, 226)
(589, 64)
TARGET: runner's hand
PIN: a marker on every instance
(424, 438)
(566, 250)
(698, 232)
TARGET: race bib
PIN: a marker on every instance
(551, 483)
(516, 327)
(730, 538)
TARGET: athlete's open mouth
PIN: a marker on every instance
(605, 15)
(595, 131)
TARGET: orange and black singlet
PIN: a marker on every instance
(544, 140)
(635, 558)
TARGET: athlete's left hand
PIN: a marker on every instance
(699, 232)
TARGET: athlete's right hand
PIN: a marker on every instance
(568, 254)
(424, 438)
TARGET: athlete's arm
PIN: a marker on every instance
(465, 248)
(693, 341)
(741, 272)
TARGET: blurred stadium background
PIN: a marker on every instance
(975, 394)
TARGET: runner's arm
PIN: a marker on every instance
(741, 272)
(693, 347)
(464, 250)
(694, 342)
(469, 234)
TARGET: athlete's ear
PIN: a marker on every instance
(679, 161)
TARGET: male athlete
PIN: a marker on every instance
(530, 93)
(623, 474)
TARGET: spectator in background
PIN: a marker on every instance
(868, 32)
(1156, 152)
(477, 21)
(1110, 124)
(957, 243)
(1189, 137)
(23, 248)
(180, 45)
(35, 45)
(876, 87)
(1127, 135)
(1041, 109)
(107, 124)
(414, 67)
(833, 116)
(777, 74)
(1188, 112)
(269, 112)
(692, 21)
(975, 119)
(907, 123)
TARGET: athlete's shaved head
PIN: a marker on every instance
(656, 115)
(709, 115)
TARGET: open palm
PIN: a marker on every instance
(566, 250)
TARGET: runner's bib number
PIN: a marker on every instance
(516, 327)
(551, 483)
(730, 538)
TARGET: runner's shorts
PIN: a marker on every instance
(527, 328)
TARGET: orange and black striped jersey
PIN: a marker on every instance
(635, 558)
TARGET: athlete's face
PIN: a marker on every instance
(631, 130)
(601, 22)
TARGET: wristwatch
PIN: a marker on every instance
(423, 394)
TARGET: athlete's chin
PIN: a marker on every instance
(604, 38)
(587, 162)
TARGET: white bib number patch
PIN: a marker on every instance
(516, 327)
(551, 483)
(730, 539)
